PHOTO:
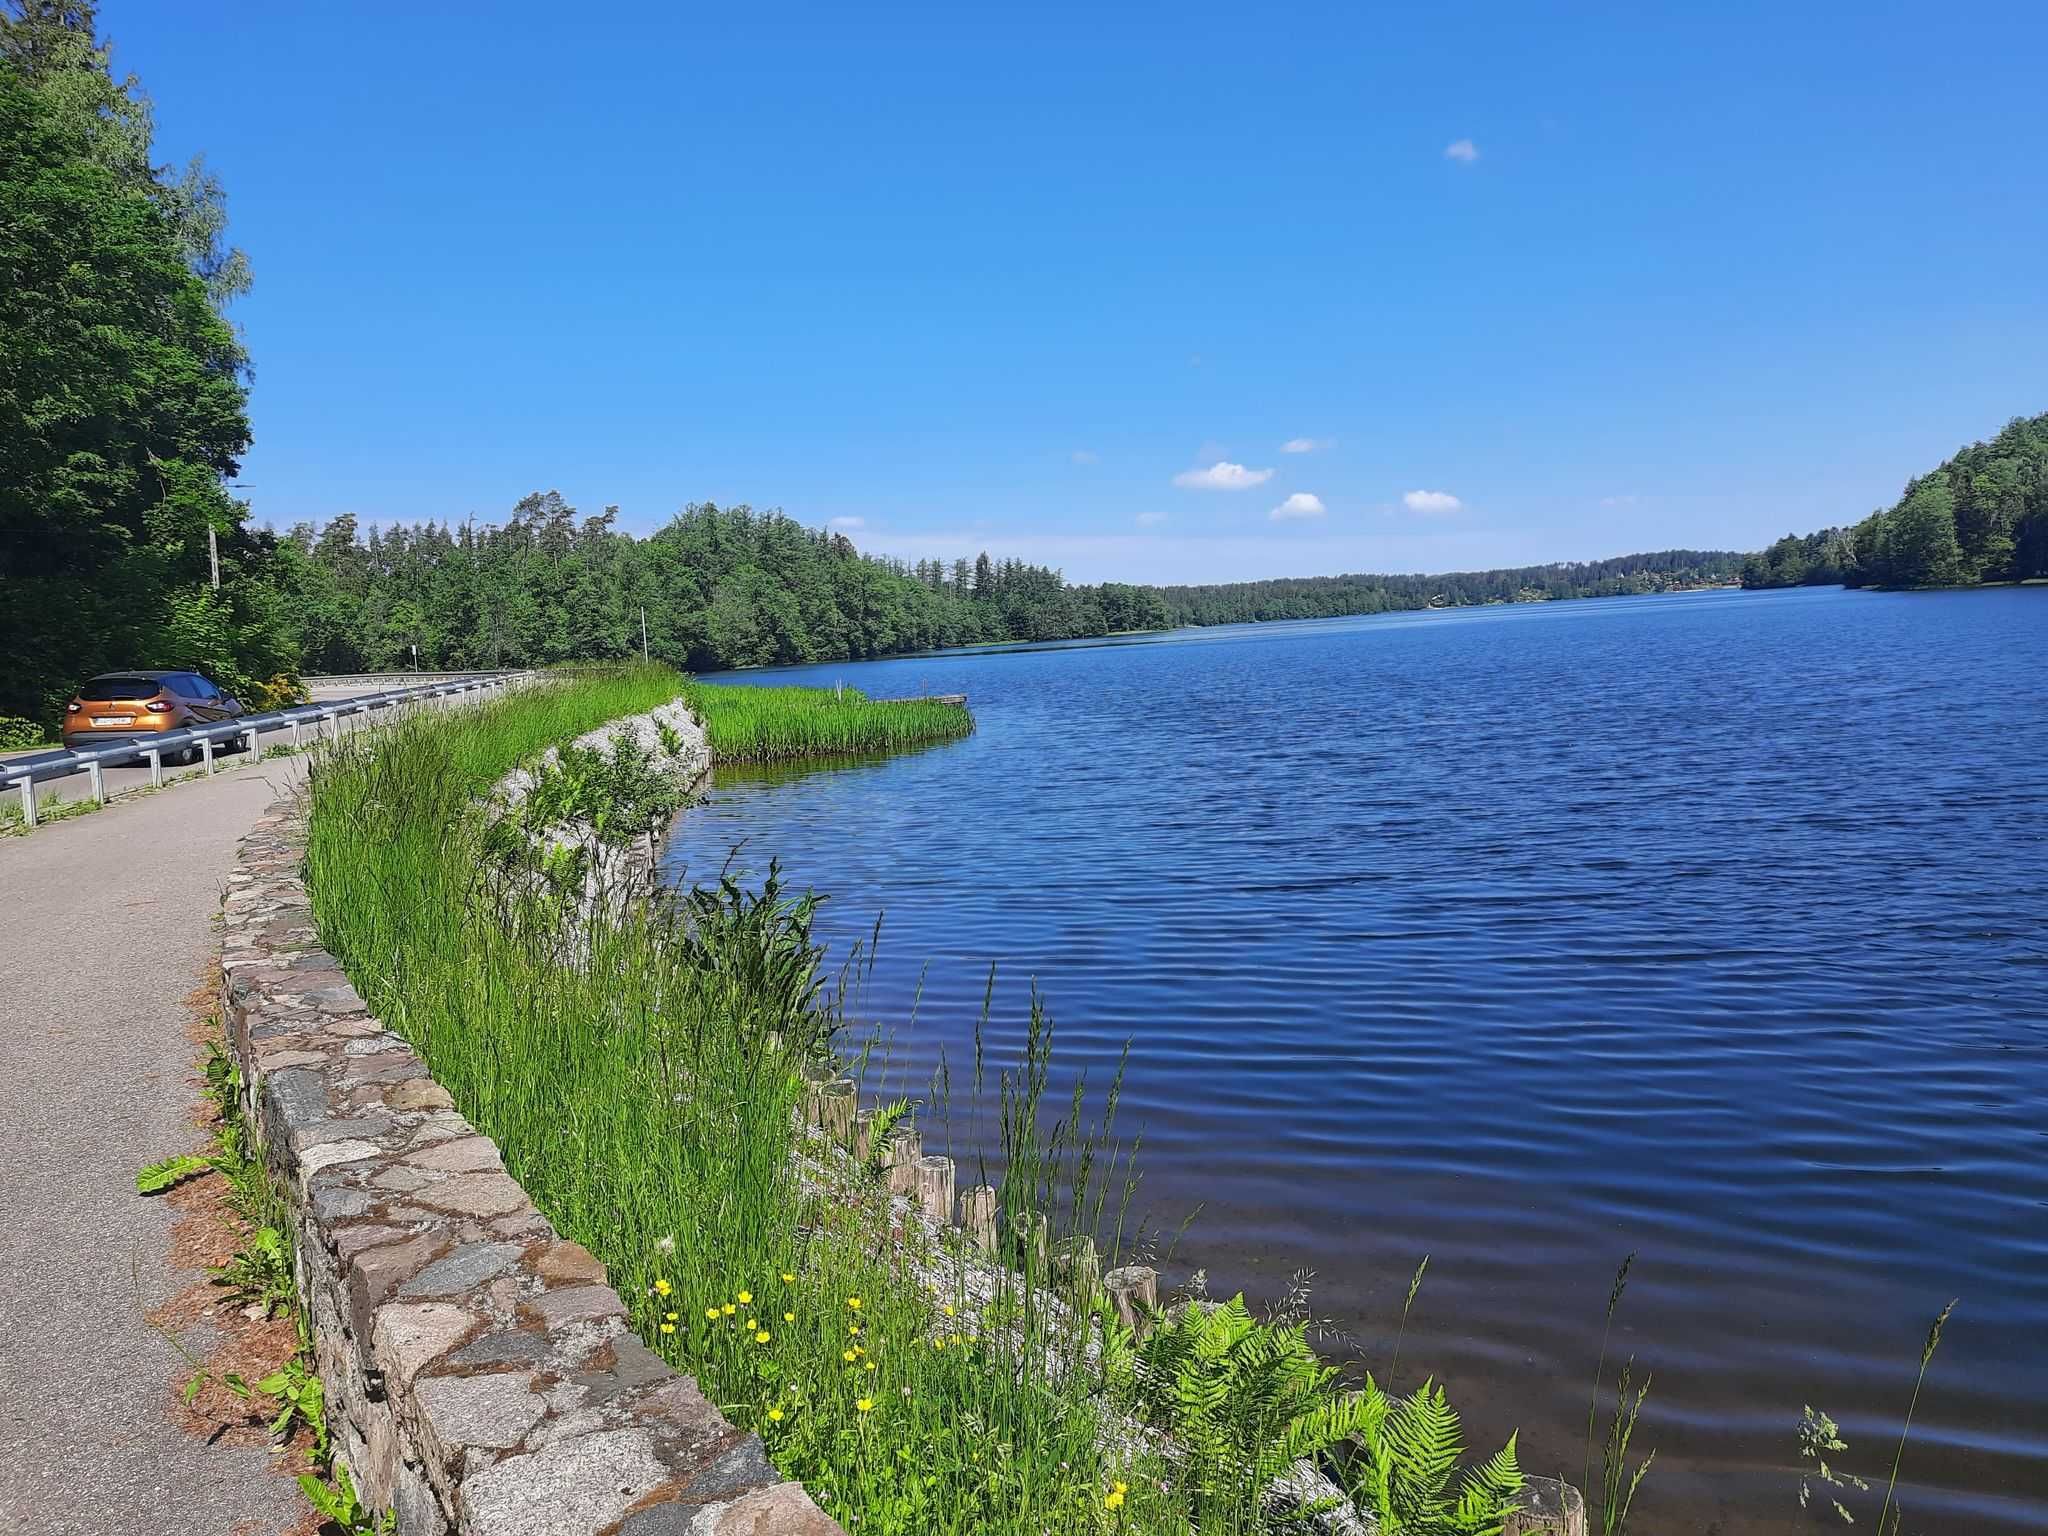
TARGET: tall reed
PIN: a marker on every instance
(772, 725)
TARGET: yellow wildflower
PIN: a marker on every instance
(847, 1355)
(789, 1317)
(762, 1336)
(668, 1327)
(728, 1309)
(712, 1313)
(853, 1302)
(774, 1415)
(949, 1310)
(864, 1404)
(745, 1297)
(788, 1278)
(853, 1328)
(869, 1364)
(662, 1287)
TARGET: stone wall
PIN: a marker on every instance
(481, 1375)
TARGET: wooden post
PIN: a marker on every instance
(1546, 1507)
(837, 1101)
(864, 1134)
(815, 1077)
(906, 1147)
(978, 1216)
(935, 1188)
(1135, 1290)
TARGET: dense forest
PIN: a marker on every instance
(1982, 516)
(1323, 597)
(123, 406)
(718, 586)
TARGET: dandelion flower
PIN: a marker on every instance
(864, 1404)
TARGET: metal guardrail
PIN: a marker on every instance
(362, 679)
(153, 748)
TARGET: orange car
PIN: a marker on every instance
(118, 705)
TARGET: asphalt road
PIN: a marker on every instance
(106, 924)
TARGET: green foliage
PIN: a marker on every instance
(1819, 1438)
(769, 725)
(1891, 1508)
(170, 1173)
(301, 1400)
(16, 732)
(1243, 1400)
(1618, 1483)
(336, 1502)
(121, 398)
(1408, 1450)
(620, 794)
(1982, 516)
(882, 1130)
(1322, 597)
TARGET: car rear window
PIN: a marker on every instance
(111, 688)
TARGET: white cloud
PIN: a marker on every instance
(1151, 519)
(1085, 456)
(1302, 445)
(1617, 501)
(1464, 151)
(1298, 506)
(849, 523)
(1431, 503)
(1222, 476)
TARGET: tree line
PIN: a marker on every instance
(1324, 597)
(123, 400)
(1981, 516)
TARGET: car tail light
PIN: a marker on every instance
(71, 708)
(157, 707)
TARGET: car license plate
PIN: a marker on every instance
(113, 719)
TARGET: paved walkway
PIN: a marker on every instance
(106, 925)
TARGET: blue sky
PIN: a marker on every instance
(1524, 282)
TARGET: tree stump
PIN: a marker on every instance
(1546, 1507)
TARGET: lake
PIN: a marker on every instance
(1709, 926)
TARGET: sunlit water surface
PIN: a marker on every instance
(1713, 927)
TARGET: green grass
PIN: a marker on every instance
(646, 1099)
(775, 725)
(645, 1088)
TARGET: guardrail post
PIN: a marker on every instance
(254, 738)
(295, 731)
(28, 802)
(96, 785)
(156, 767)
(206, 748)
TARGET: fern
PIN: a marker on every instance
(882, 1131)
(1408, 1449)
